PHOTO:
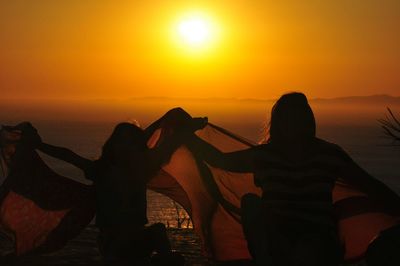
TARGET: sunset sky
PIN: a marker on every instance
(96, 49)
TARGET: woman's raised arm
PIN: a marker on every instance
(173, 114)
(354, 174)
(30, 139)
(66, 155)
(238, 161)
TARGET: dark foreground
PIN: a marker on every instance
(83, 251)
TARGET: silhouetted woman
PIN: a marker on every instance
(292, 224)
(120, 176)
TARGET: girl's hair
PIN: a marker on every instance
(292, 120)
(126, 137)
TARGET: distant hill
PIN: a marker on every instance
(354, 108)
(372, 99)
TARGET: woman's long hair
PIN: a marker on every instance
(125, 138)
(292, 120)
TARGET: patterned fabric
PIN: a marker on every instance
(214, 196)
(31, 224)
(38, 208)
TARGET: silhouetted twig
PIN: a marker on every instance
(181, 216)
(391, 126)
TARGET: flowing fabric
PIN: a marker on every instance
(43, 210)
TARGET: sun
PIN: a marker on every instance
(194, 31)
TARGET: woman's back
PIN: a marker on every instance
(120, 193)
(298, 183)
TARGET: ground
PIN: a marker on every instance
(83, 251)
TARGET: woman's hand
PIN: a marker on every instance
(29, 135)
(179, 119)
(177, 115)
(198, 123)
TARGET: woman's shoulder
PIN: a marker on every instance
(326, 144)
(93, 169)
(329, 148)
(262, 147)
(266, 151)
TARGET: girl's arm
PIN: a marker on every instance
(238, 161)
(175, 114)
(30, 140)
(65, 155)
(354, 174)
(149, 131)
(161, 154)
(31, 137)
(183, 126)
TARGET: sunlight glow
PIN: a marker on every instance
(194, 31)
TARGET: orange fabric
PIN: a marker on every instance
(30, 223)
(219, 229)
(357, 232)
(360, 219)
(42, 209)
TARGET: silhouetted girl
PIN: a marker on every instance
(120, 176)
(292, 224)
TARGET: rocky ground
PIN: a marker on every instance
(83, 251)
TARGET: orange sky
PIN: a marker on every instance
(122, 49)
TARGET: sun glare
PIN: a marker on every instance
(195, 32)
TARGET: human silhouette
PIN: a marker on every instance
(120, 176)
(292, 223)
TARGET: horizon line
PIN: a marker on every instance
(352, 97)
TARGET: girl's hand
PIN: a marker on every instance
(179, 119)
(30, 135)
(177, 115)
(198, 123)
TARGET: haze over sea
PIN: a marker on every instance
(350, 122)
